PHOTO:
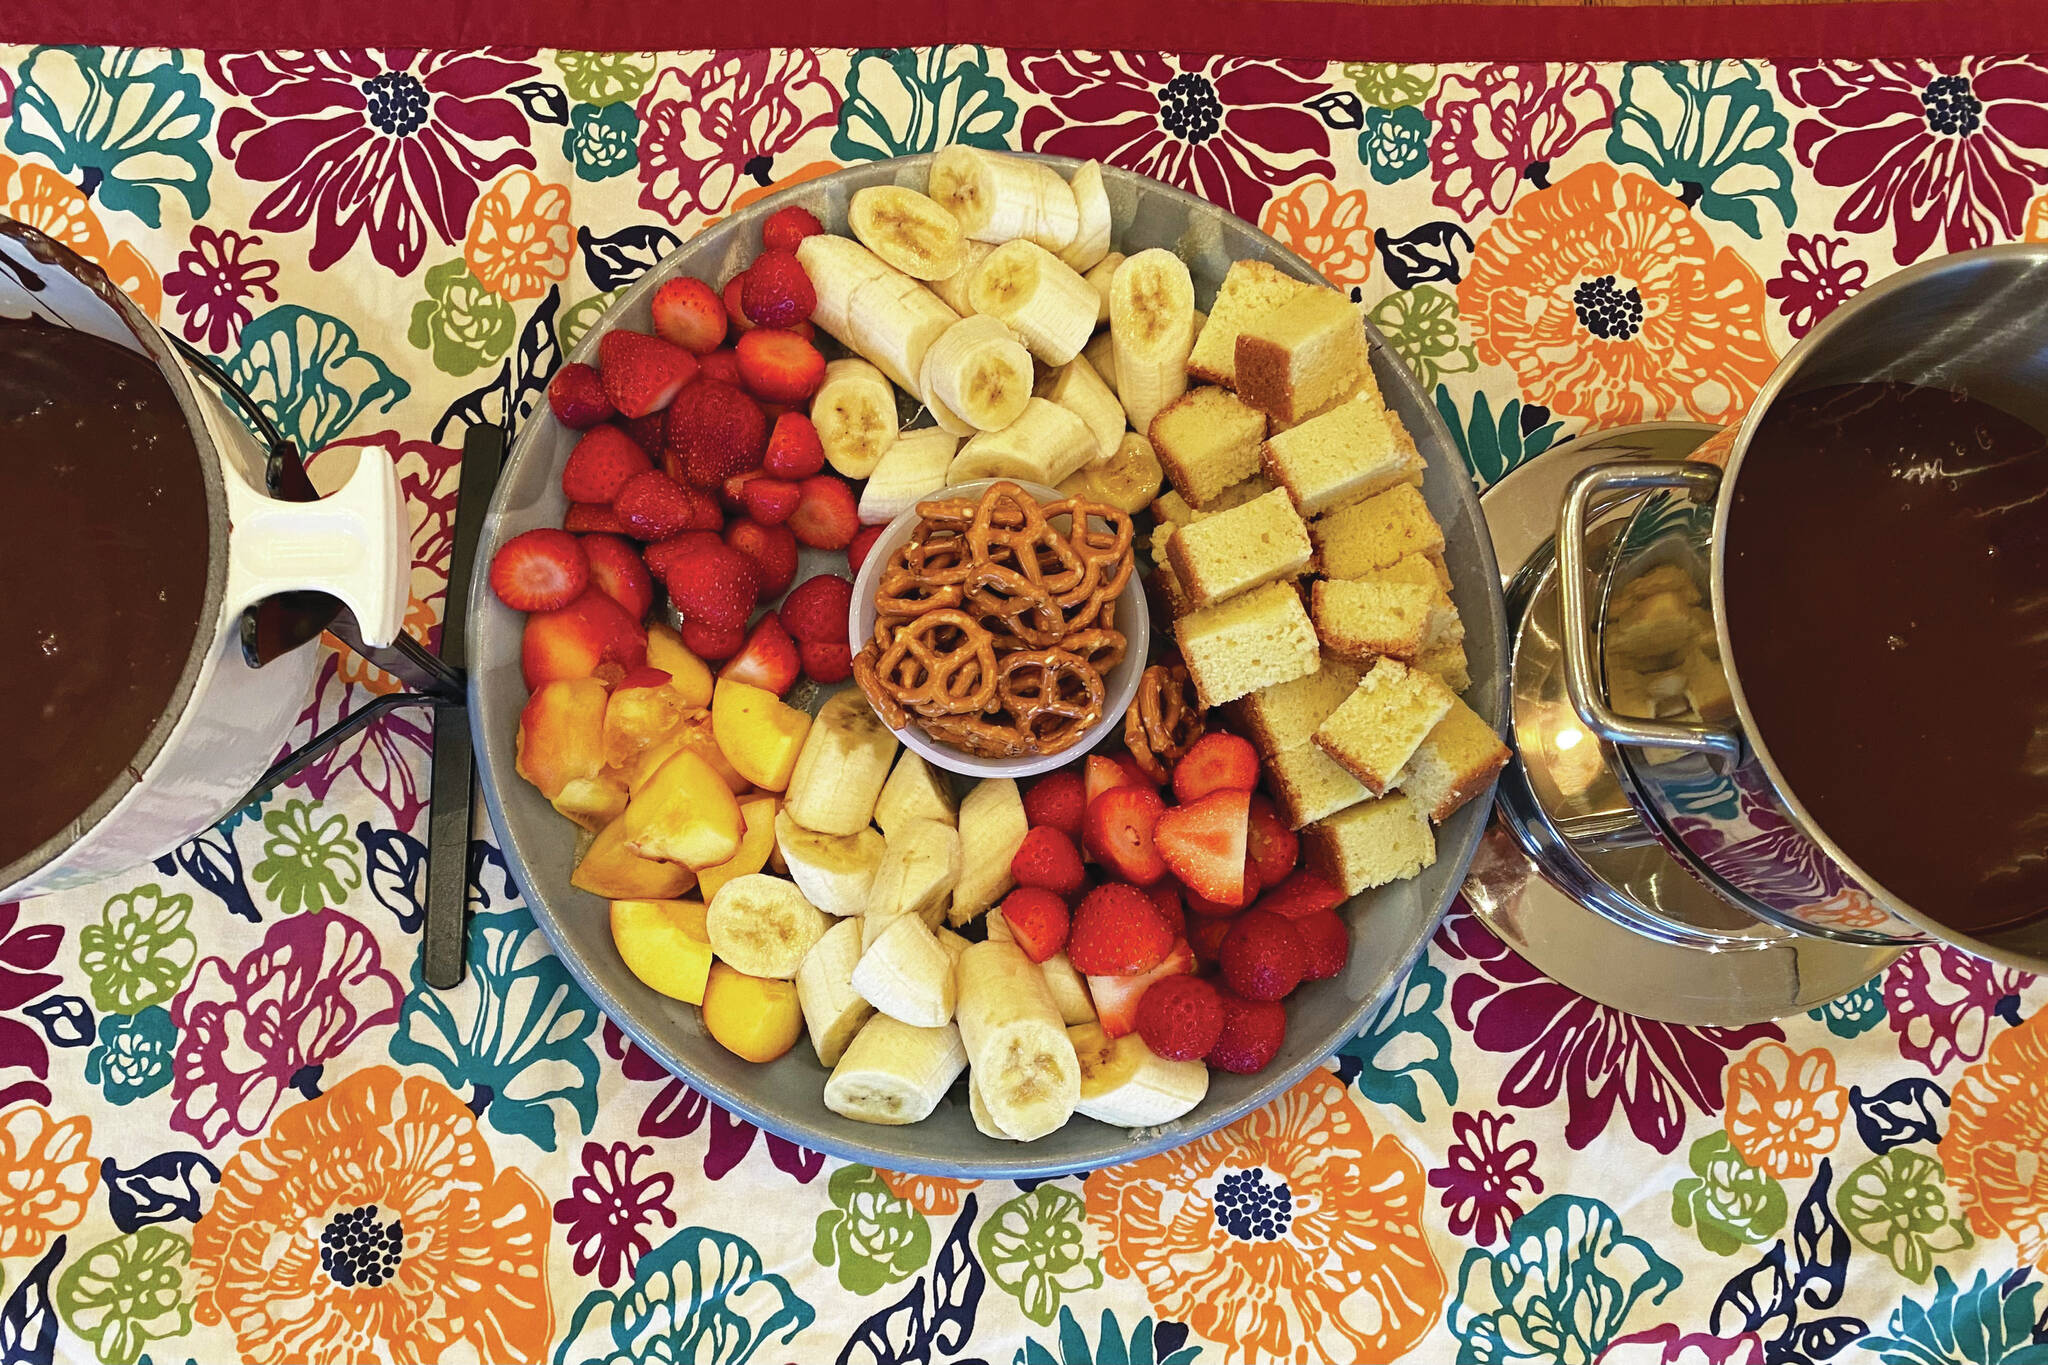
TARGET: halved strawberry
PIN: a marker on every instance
(1118, 832)
(1180, 1018)
(826, 515)
(826, 661)
(664, 555)
(617, 570)
(1206, 937)
(1263, 956)
(735, 314)
(768, 659)
(574, 641)
(794, 450)
(1253, 1031)
(1048, 861)
(1117, 997)
(1202, 843)
(600, 465)
(1038, 921)
(776, 292)
(688, 313)
(1301, 893)
(1165, 897)
(788, 226)
(1208, 909)
(1271, 850)
(712, 643)
(769, 500)
(576, 397)
(716, 585)
(1102, 772)
(646, 431)
(714, 432)
(1058, 799)
(1325, 943)
(780, 367)
(655, 507)
(1219, 761)
(1117, 932)
(862, 542)
(642, 373)
(816, 609)
(539, 570)
(772, 550)
(722, 365)
(599, 517)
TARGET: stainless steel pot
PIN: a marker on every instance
(1976, 321)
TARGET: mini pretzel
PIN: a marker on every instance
(1055, 696)
(1164, 720)
(940, 664)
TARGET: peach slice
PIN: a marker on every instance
(685, 813)
(688, 675)
(561, 734)
(758, 815)
(664, 943)
(751, 1016)
(592, 802)
(638, 718)
(758, 733)
(694, 734)
(613, 871)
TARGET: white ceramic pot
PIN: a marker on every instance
(229, 716)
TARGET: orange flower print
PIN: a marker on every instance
(1610, 302)
(1326, 227)
(2036, 229)
(55, 207)
(935, 1194)
(372, 1223)
(1291, 1235)
(1784, 1108)
(46, 1177)
(809, 171)
(1997, 1131)
(520, 239)
(1848, 908)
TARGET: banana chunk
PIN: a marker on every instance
(1152, 320)
(1125, 1083)
(908, 230)
(913, 469)
(893, 321)
(895, 1073)
(978, 372)
(854, 411)
(841, 768)
(834, 871)
(1098, 276)
(1069, 993)
(977, 1108)
(1045, 445)
(920, 867)
(833, 1010)
(953, 289)
(907, 974)
(1101, 350)
(763, 926)
(1045, 301)
(1016, 1044)
(1128, 481)
(838, 267)
(915, 791)
(993, 827)
(998, 198)
(1076, 387)
(1092, 229)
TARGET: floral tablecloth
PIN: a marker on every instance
(235, 1124)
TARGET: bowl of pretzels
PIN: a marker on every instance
(1002, 628)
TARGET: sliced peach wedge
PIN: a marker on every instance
(757, 814)
(561, 734)
(688, 675)
(684, 813)
(759, 734)
(665, 944)
(613, 871)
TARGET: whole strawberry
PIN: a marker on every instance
(654, 507)
(1263, 958)
(715, 432)
(788, 226)
(1180, 1018)
(603, 460)
(1048, 860)
(772, 550)
(1117, 932)
(576, 396)
(717, 586)
(1253, 1031)
(775, 291)
(815, 609)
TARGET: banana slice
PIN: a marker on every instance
(1152, 318)
(907, 230)
(1016, 1043)
(895, 1073)
(1091, 233)
(833, 1010)
(915, 791)
(841, 768)
(979, 372)
(1101, 353)
(913, 469)
(1098, 276)
(949, 421)
(1125, 1083)
(992, 825)
(763, 926)
(1045, 302)
(1076, 387)
(838, 267)
(854, 411)
(998, 928)
(1070, 996)
(834, 871)
(1044, 445)
(977, 1107)
(998, 198)
(952, 943)
(893, 320)
(919, 868)
(907, 974)
(954, 288)
(1127, 481)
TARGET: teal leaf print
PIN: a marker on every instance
(308, 371)
(1989, 1323)
(141, 950)
(701, 1296)
(309, 862)
(517, 1030)
(1491, 446)
(1899, 1206)
(1856, 1013)
(133, 1056)
(1710, 132)
(1406, 1039)
(1421, 324)
(602, 140)
(126, 123)
(1727, 1201)
(904, 100)
(1148, 1344)
(1035, 1250)
(872, 1236)
(1559, 1291)
(464, 325)
(127, 1292)
(1395, 143)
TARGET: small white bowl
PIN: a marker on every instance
(1119, 685)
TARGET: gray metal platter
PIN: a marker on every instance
(1389, 926)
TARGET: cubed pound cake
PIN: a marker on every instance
(1448, 663)
(1261, 542)
(1371, 843)
(1250, 290)
(1445, 628)
(1171, 507)
(1353, 451)
(1301, 356)
(1307, 785)
(1207, 440)
(1253, 640)
(1381, 723)
(1375, 533)
(1454, 763)
(1285, 716)
(1361, 621)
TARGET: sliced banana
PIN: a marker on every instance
(833, 1010)
(1127, 481)
(1048, 305)
(1016, 1043)
(953, 943)
(949, 421)
(954, 288)
(1076, 387)
(834, 871)
(1152, 318)
(992, 825)
(854, 411)
(998, 928)
(1101, 353)
(1098, 276)
(895, 1073)
(913, 469)
(977, 1108)
(763, 926)
(915, 791)
(920, 866)
(1125, 1083)
(841, 768)
(908, 230)
(1091, 232)
(980, 372)
(1044, 445)
(998, 198)
(893, 321)
(907, 974)
(837, 268)
(1069, 993)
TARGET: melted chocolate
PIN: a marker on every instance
(1887, 605)
(102, 569)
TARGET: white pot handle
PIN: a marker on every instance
(352, 544)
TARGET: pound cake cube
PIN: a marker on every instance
(1207, 440)
(1381, 724)
(1283, 717)
(1375, 532)
(1444, 626)
(1302, 355)
(1253, 640)
(1371, 843)
(1261, 542)
(1170, 508)
(1360, 621)
(1448, 664)
(1307, 785)
(1353, 451)
(1454, 763)
(1250, 290)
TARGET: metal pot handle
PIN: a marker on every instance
(1582, 682)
